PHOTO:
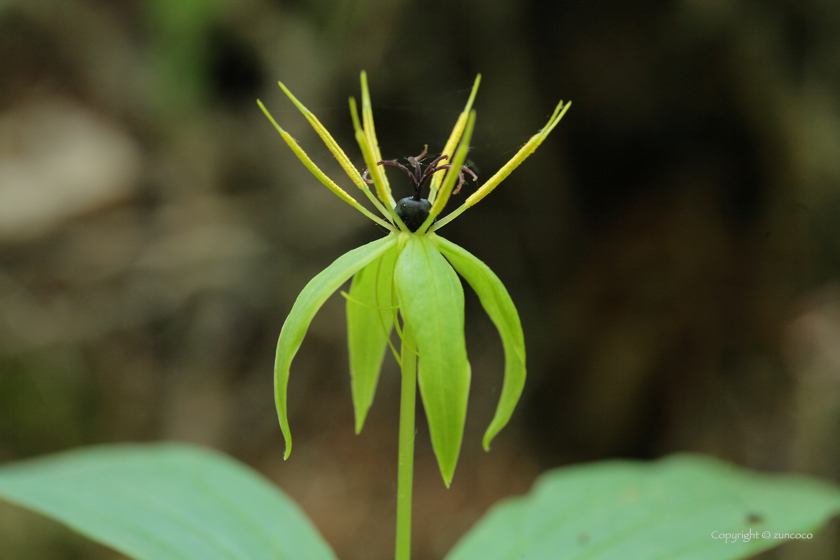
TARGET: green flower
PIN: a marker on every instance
(410, 274)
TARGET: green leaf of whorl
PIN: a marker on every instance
(432, 303)
(499, 306)
(307, 304)
(369, 324)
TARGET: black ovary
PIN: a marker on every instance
(413, 212)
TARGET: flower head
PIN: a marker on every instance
(407, 282)
(413, 210)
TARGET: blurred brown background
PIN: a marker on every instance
(673, 248)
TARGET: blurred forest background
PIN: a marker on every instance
(673, 248)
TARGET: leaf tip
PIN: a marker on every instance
(447, 471)
(492, 431)
(287, 436)
(360, 423)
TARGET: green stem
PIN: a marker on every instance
(405, 469)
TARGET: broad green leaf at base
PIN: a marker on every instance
(432, 303)
(671, 509)
(310, 300)
(165, 502)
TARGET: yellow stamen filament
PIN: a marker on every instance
(370, 132)
(310, 165)
(336, 150)
(374, 170)
(523, 153)
(452, 143)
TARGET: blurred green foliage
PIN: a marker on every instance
(179, 53)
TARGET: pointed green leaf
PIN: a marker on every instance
(307, 304)
(432, 303)
(679, 508)
(498, 305)
(165, 502)
(369, 323)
